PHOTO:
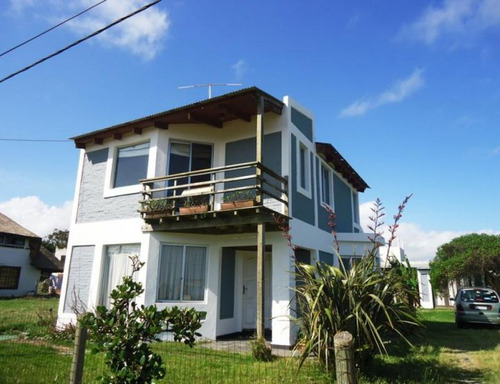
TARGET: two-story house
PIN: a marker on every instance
(168, 187)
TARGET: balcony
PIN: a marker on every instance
(230, 199)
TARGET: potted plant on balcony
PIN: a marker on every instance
(194, 204)
(157, 207)
(238, 199)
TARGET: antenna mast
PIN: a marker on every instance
(209, 85)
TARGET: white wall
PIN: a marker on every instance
(28, 280)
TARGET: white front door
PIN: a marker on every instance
(249, 301)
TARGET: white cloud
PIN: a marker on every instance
(397, 93)
(142, 34)
(454, 18)
(419, 245)
(240, 69)
(33, 214)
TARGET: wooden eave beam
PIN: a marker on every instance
(199, 118)
(160, 124)
(236, 112)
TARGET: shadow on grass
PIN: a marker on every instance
(414, 369)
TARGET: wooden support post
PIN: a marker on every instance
(261, 247)
(261, 228)
(344, 358)
(76, 374)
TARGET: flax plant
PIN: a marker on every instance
(363, 300)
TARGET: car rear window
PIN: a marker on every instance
(481, 295)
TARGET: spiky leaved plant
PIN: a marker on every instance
(362, 300)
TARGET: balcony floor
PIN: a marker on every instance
(240, 220)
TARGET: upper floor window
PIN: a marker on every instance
(326, 189)
(303, 170)
(8, 240)
(131, 165)
(355, 207)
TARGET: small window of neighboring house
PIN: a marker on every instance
(303, 170)
(326, 189)
(9, 277)
(115, 266)
(131, 165)
(182, 273)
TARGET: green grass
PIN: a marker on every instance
(441, 354)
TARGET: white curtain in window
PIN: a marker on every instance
(194, 274)
(170, 273)
(116, 266)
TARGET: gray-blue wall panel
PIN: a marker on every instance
(303, 123)
(302, 206)
(80, 270)
(92, 206)
(226, 298)
(343, 208)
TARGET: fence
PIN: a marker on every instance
(31, 351)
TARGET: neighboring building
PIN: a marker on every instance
(197, 157)
(424, 284)
(22, 259)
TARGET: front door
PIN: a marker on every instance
(249, 301)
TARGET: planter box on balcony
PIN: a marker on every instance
(194, 209)
(237, 204)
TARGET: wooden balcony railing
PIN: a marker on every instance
(233, 197)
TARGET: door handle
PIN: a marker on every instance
(244, 289)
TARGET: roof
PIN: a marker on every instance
(333, 157)
(216, 111)
(8, 225)
(46, 261)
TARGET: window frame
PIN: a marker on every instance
(324, 167)
(183, 277)
(110, 190)
(14, 280)
(303, 169)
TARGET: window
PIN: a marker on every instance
(303, 169)
(116, 265)
(182, 273)
(326, 189)
(355, 207)
(131, 165)
(9, 277)
(350, 261)
(8, 240)
(187, 157)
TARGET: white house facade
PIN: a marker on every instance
(156, 187)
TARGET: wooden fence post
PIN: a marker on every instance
(79, 353)
(344, 358)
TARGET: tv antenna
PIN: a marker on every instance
(209, 85)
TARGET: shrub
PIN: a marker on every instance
(125, 331)
(260, 350)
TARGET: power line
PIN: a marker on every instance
(38, 140)
(50, 29)
(80, 41)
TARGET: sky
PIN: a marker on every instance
(407, 91)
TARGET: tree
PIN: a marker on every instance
(57, 239)
(473, 258)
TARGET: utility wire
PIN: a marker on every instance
(50, 29)
(80, 41)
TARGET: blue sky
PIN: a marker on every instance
(408, 91)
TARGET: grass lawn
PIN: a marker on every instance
(441, 353)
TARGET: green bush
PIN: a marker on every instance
(125, 331)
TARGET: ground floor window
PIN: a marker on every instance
(350, 261)
(116, 265)
(182, 273)
(9, 277)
